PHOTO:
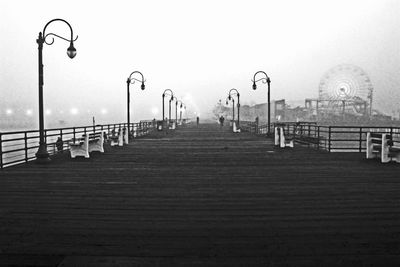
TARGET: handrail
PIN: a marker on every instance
(17, 147)
(335, 138)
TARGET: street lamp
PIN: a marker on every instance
(264, 80)
(180, 108)
(233, 106)
(233, 92)
(172, 99)
(167, 92)
(129, 81)
(42, 155)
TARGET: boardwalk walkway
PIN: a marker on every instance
(201, 197)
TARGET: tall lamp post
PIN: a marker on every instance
(167, 92)
(129, 81)
(267, 80)
(180, 108)
(233, 106)
(42, 155)
(172, 99)
(233, 92)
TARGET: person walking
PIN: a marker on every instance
(221, 121)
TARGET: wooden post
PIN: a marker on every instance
(360, 140)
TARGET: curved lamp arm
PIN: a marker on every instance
(179, 101)
(265, 79)
(229, 98)
(131, 80)
(235, 92)
(71, 51)
(166, 91)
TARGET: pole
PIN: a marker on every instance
(163, 115)
(269, 107)
(169, 118)
(238, 106)
(42, 155)
(233, 109)
(128, 103)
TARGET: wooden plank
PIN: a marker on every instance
(201, 196)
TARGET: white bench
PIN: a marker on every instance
(282, 140)
(86, 144)
(117, 139)
(96, 142)
(125, 136)
(234, 128)
(380, 145)
(79, 147)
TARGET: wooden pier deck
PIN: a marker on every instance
(201, 197)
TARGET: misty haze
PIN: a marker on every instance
(198, 49)
(200, 133)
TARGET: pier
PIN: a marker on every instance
(201, 196)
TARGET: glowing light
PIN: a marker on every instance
(9, 111)
(48, 112)
(29, 112)
(154, 110)
(74, 111)
(104, 111)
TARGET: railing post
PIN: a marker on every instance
(1, 152)
(26, 146)
(318, 135)
(329, 139)
(45, 138)
(74, 132)
(360, 141)
(62, 139)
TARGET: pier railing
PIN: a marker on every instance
(21, 146)
(329, 138)
(334, 138)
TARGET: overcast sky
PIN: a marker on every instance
(199, 49)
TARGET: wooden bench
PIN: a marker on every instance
(86, 144)
(282, 140)
(381, 145)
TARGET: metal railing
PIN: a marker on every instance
(21, 146)
(335, 138)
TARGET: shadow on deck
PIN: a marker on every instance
(201, 196)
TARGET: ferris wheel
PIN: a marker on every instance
(345, 82)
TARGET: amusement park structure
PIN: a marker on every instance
(345, 90)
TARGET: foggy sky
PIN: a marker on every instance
(199, 49)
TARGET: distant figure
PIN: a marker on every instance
(221, 121)
(59, 144)
(197, 120)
